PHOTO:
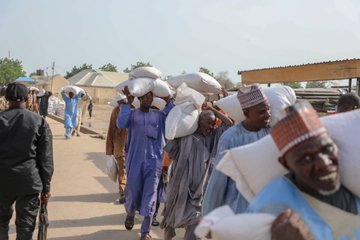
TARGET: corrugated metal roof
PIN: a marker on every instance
(97, 78)
(300, 65)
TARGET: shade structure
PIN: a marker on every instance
(25, 80)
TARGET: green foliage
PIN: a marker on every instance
(138, 64)
(76, 70)
(109, 68)
(10, 69)
(32, 74)
(207, 71)
(293, 84)
(316, 84)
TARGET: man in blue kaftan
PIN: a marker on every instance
(221, 189)
(144, 155)
(70, 114)
(312, 192)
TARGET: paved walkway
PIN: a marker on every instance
(83, 204)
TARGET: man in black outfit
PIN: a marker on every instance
(44, 103)
(26, 163)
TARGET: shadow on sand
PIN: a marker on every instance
(107, 235)
(89, 198)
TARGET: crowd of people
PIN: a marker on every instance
(182, 172)
(196, 187)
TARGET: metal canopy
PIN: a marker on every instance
(333, 70)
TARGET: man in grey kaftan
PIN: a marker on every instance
(192, 158)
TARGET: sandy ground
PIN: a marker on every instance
(100, 119)
(84, 204)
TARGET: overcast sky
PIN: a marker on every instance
(178, 35)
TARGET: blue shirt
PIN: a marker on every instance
(221, 189)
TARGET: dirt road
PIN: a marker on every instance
(83, 205)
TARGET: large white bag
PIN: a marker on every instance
(138, 87)
(184, 94)
(279, 97)
(232, 107)
(161, 88)
(119, 97)
(34, 89)
(145, 72)
(111, 168)
(199, 81)
(225, 225)
(258, 162)
(74, 89)
(181, 121)
(157, 102)
(183, 118)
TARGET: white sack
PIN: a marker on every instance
(279, 97)
(74, 89)
(345, 131)
(231, 106)
(145, 72)
(199, 81)
(161, 88)
(34, 89)
(259, 164)
(184, 94)
(157, 102)
(225, 225)
(41, 93)
(138, 87)
(119, 97)
(252, 166)
(111, 168)
(208, 221)
(181, 121)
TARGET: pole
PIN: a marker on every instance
(269, 84)
(350, 83)
(52, 77)
(358, 86)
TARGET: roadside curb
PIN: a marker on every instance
(82, 129)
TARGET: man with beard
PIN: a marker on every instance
(310, 201)
(144, 155)
(221, 189)
(191, 157)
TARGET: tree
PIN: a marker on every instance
(32, 74)
(76, 70)
(109, 68)
(293, 84)
(224, 80)
(138, 64)
(10, 69)
(207, 71)
(316, 84)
